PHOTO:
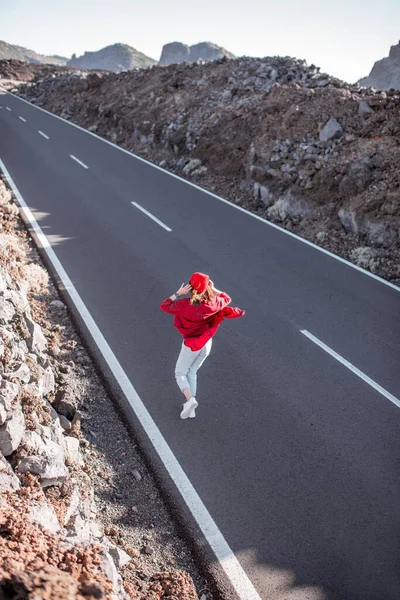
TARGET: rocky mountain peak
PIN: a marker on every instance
(177, 52)
(117, 57)
(385, 73)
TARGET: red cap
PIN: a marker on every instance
(199, 282)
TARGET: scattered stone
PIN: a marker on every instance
(148, 549)
(73, 455)
(332, 130)
(120, 557)
(136, 475)
(58, 304)
(364, 109)
(65, 423)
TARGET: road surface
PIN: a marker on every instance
(294, 454)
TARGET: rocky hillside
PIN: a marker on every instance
(385, 74)
(275, 135)
(176, 52)
(20, 53)
(118, 57)
(17, 70)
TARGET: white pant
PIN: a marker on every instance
(187, 365)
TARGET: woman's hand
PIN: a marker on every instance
(184, 289)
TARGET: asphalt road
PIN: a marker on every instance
(295, 456)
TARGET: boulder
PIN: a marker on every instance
(57, 303)
(81, 530)
(7, 311)
(73, 507)
(50, 470)
(111, 572)
(119, 556)
(11, 432)
(48, 380)
(46, 448)
(66, 403)
(8, 393)
(37, 341)
(65, 423)
(364, 109)
(18, 300)
(21, 372)
(358, 177)
(43, 513)
(331, 130)
(8, 480)
(72, 452)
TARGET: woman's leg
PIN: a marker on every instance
(183, 364)
(195, 366)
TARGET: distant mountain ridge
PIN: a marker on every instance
(117, 57)
(21, 53)
(176, 52)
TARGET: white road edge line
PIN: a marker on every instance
(243, 210)
(347, 364)
(43, 134)
(22, 119)
(79, 161)
(8, 108)
(146, 212)
(217, 542)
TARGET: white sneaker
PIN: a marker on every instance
(192, 414)
(188, 407)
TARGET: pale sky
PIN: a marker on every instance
(343, 37)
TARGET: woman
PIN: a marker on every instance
(197, 318)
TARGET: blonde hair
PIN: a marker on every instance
(206, 296)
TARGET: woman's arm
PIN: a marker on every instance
(169, 305)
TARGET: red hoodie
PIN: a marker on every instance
(199, 322)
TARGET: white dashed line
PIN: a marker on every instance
(347, 364)
(79, 161)
(22, 119)
(160, 223)
(43, 134)
(8, 108)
